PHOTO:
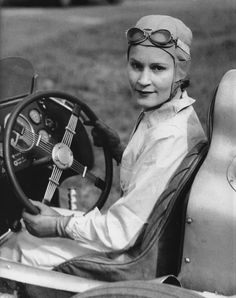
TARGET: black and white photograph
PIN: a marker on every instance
(117, 148)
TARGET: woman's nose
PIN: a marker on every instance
(144, 78)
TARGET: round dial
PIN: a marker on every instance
(35, 116)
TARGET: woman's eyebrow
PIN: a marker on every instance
(158, 63)
(135, 60)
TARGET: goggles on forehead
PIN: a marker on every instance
(161, 38)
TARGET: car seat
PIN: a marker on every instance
(156, 251)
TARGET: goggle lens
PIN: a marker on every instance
(135, 35)
(159, 37)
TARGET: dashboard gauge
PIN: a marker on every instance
(50, 123)
(35, 116)
(44, 134)
(23, 136)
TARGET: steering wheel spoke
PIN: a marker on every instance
(70, 128)
(85, 173)
(52, 184)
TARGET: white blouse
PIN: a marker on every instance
(155, 150)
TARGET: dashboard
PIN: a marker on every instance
(45, 119)
(36, 120)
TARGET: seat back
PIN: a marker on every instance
(156, 251)
(209, 250)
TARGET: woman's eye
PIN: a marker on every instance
(157, 67)
(136, 65)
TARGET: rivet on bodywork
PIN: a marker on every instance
(187, 260)
(189, 220)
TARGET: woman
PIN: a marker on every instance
(168, 127)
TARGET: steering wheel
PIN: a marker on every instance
(60, 155)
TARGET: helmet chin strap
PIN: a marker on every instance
(174, 85)
(174, 89)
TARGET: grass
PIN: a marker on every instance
(82, 50)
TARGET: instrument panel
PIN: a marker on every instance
(37, 120)
(39, 127)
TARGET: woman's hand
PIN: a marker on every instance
(43, 224)
(103, 134)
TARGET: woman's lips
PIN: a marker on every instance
(144, 93)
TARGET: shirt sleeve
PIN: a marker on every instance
(119, 227)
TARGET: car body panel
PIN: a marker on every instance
(209, 257)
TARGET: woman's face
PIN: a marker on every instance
(150, 73)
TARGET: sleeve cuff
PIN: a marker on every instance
(61, 223)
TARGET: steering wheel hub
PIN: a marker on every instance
(62, 156)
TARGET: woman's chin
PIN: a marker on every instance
(145, 103)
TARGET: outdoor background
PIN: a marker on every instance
(82, 50)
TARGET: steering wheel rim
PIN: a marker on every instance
(7, 146)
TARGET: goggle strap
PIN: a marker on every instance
(183, 46)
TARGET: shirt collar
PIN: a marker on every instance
(170, 108)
